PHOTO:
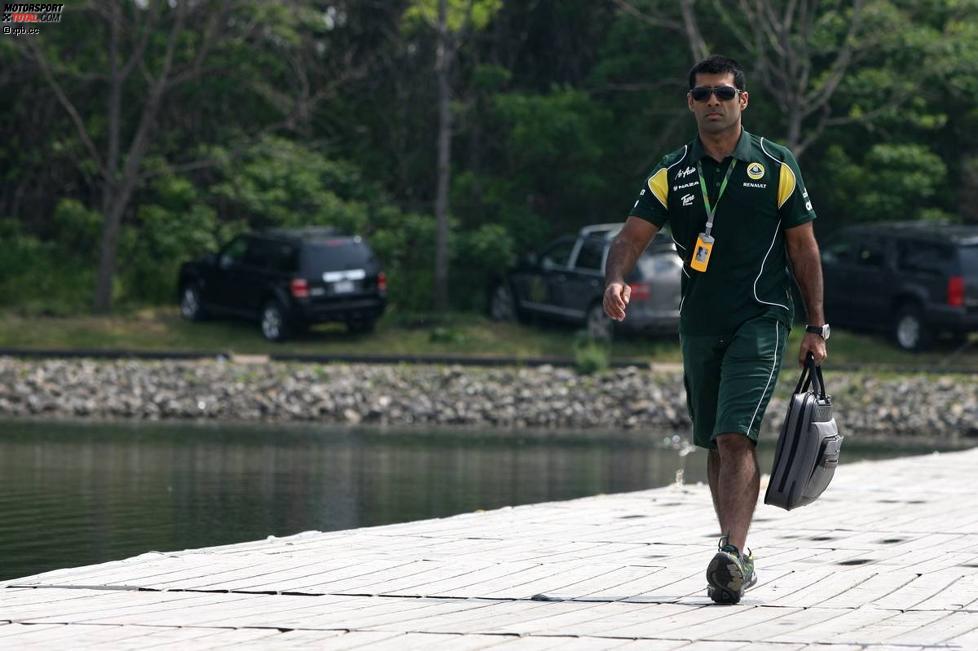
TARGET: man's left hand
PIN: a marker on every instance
(814, 344)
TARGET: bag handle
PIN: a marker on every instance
(811, 374)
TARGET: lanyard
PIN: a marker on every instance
(712, 210)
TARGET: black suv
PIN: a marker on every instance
(287, 279)
(913, 279)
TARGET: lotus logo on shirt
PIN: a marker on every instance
(755, 171)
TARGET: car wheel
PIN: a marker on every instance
(190, 306)
(910, 331)
(599, 325)
(274, 324)
(502, 306)
(361, 326)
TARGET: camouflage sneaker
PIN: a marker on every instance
(730, 574)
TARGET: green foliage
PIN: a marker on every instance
(478, 257)
(78, 230)
(490, 78)
(591, 355)
(550, 164)
(891, 182)
(324, 114)
(174, 228)
(277, 182)
(38, 278)
(445, 335)
(460, 15)
(488, 247)
(407, 250)
(562, 126)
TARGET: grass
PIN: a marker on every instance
(466, 334)
(454, 334)
(163, 329)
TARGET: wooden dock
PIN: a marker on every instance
(888, 559)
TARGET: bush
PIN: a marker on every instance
(591, 355)
(41, 278)
(175, 228)
(407, 250)
(479, 256)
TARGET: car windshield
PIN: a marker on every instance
(335, 255)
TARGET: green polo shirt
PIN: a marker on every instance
(748, 275)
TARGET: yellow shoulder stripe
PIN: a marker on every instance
(786, 184)
(659, 185)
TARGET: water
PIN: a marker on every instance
(75, 494)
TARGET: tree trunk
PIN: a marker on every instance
(110, 223)
(120, 184)
(107, 251)
(442, 69)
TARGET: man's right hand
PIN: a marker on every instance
(616, 297)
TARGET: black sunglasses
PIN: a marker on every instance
(723, 93)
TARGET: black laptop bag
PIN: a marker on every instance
(809, 444)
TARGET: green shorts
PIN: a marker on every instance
(729, 379)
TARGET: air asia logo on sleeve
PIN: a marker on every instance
(684, 173)
(755, 171)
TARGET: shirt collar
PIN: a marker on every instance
(741, 152)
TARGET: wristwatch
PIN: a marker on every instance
(822, 331)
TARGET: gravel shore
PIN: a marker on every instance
(932, 406)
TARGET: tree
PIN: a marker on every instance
(289, 57)
(133, 44)
(453, 21)
(800, 52)
(803, 50)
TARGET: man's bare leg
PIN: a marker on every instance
(713, 476)
(737, 485)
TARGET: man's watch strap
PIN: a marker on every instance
(822, 330)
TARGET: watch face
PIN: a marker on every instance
(825, 331)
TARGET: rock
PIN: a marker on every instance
(628, 398)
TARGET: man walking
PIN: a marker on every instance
(738, 209)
